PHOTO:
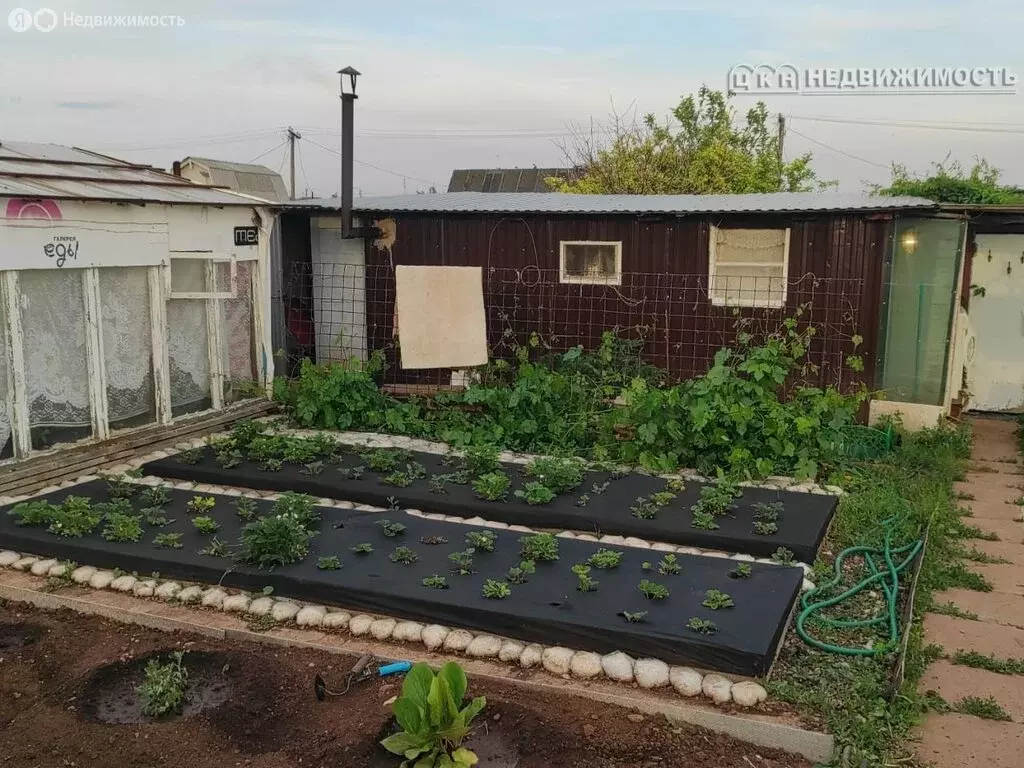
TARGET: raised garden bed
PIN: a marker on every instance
(601, 502)
(688, 625)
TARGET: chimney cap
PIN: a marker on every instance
(349, 71)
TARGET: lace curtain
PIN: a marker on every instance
(53, 326)
(236, 325)
(187, 341)
(127, 346)
(6, 412)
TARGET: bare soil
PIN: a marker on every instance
(254, 706)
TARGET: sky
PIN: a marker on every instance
(461, 84)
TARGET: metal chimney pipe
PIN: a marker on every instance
(348, 103)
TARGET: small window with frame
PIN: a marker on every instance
(201, 275)
(748, 267)
(590, 262)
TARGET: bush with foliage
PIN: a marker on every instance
(275, 540)
(163, 686)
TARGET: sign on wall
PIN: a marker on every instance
(68, 244)
(247, 236)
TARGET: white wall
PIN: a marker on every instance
(339, 291)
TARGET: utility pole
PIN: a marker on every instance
(782, 140)
(292, 136)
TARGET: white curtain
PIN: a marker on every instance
(127, 344)
(236, 323)
(187, 340)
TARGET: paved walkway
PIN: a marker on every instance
(995, 480)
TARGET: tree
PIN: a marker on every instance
(701, 151)
(950, 183)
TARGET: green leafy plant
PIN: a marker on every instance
(483, 541)
(403, 555)
(767, 512)
(329, 563)
(539, 547)
(275, 540)
(155, 517)
(784, 556)
(559, 475)
(481, 459)
(229, 458)
(215, 548)
(716, 499)
(352, 473)
(646, 566)
(404, 478)
(652, 590)
(990, 663)
(583, 500)
(598, 488)
(34, 513)
(741, 571)
(385, 459)
(394, 504)
(163, 686)
(390, 528)
(245, 508)
(517, 574)
(155, 496)
(987, 708)
(605, 558)
(313, 469)
(364, 548)
(669, 565)
(205, 524)
(495, 590)
(121, 527)
(168, 540)
(644, 509)
(76, 518)
(200, 505)
(433, 721)
(191, 455)
(633, 617)
(675, 485)
(584, 582)
(120, 486)
(463, 561)
(435, 582)
(704, 521)
(493, 486)
(716, 600)
(299, 507)
(535, 494)
(764, 528)
(701, 626)
(272, 465)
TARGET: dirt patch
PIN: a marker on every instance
(272, 719)
(111, 693)
(16, 635)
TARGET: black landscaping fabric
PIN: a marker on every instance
(801, 525)
(548, 609)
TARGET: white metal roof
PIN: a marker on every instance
(545, 202)
(68, 173)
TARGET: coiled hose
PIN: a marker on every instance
(889, 580)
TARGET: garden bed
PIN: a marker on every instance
(548, 608)
(602, 502)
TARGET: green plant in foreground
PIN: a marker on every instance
(76, 518)
(701, 626)
(216, 548)
(364, 548)
(538, 547)
(403, 555)
(517, 574)
(481, 459)
(741, 571)
(559, 475)
(155, 496)
(481, 540)
(205, 524)
(493, 486)
(463, 561)
(163, 686)
(155, 517)
(329, 563)
(191, 455)
(764, 528)
(704, 521)
(652, 590)
(669, 565)
(34, 513)
(716, 600)
(351, 473)
(495, 590)
(384, 459)
(298, 507)
(245, 508)
(535, 494)
(200, 505)
(644, 509)
(274, 541)
(435, 582)
(167, 540)
(119, 486)
(605, 558)
(991, 663)
(434, 723)
(120, 527)
(584, 581)
(390, 529)
(633, 617)
(716, 499)
(987, 708)
(784, 556)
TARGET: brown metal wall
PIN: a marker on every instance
(671, 256)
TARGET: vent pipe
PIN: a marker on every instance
(348, 104)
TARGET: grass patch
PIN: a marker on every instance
(967, 531)
(988, 709)
(991, 663)
(975, 555)
(954, 610)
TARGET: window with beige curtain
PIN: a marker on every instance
(748, 267)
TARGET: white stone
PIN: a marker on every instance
(585, 665)
(713, 553)
(58, 570)
(472, 521)
(42, 567)
(748, 693)
(433, 636)
(687, 682)
(613, 540)
(556, 660)
(521, 529)
(618, 667)
(650, 673)
(24, 563)
(484, 647)
(236, 603)
(168, 590)
(435, 516)
(101, 579)
(344, 505)
(8, 558)
(414, 512)
(717, 688)
(325, 502)
(311, 616)
(190, 595)
(381, 629)
(636, 543)
(662, 547)
(744, 558)
(531, 656)
(510, 651)
(688, 551)
(566, 535)
(408, 631)
(213, 598)
(458, 640)
(494, 524)
(336, 620)
(284, 610)
(261, 606)
(229, 492)
(807, 585)
(183, 486)
(123, 583)
(360, 625)
(586, 537)
(144, 588)
(82, 574)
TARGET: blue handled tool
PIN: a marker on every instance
(361, 670)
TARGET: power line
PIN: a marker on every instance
(176, 143)
(919, 124)
(302, 167)
(371, 165)
(272, 149)
(838, 151)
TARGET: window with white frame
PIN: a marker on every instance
(748, 267)
(590, 261)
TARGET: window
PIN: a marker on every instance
(202, 275)
(748, 267)
(587, 261)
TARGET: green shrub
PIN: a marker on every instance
(35, 513)
(299, 507)
(120, 527)
(605, 558)
(716, 600)
(652, 590)
(403, 555)
(495, 590)
(329, 563)
(435, 582)
(205, 524)
(167, 540)
(535, 493)
(517, 574)
(76, 518)
(274, 541)
(163, 686)
(539, 546)
(493, 486)
(482, 540)
(560, 475)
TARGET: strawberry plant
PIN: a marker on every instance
(539, 546)
(517, 574)
(273, 541)
(493, 486)
(200, 505)
(463, 561)
(741, 571)
(605, 558)
(329, 563)
(535, 494)
(669, 566)
(391, 529)
(216, 548)
(584, 581)
(495, 590)
(403, 555)
(784, 556)
(633, 617)
(122, 527)
(155, 496)
(205, 524)
(716, 600)
(435, 582)
(245, 508)
(560, 475)
(652, 590)
(701, 626)
(481, 540)
(167, 540)
(364, 548)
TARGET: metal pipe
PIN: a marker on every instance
(348, 101)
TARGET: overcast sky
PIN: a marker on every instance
(458, 83)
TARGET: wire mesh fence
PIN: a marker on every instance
(334, 312)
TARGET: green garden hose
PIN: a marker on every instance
(889, 580)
